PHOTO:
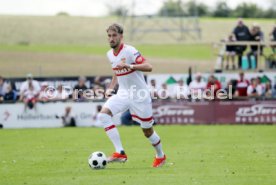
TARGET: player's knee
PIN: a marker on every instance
(104, 119)
(148, 132)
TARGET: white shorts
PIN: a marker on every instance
(140, 111)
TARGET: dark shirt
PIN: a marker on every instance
(274, 34)
(80, 89)
(242, 33)
(256, 37)
(10, 96)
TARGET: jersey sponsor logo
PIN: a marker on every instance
(121, 72)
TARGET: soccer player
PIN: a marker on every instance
(133, 94)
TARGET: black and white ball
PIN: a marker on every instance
(97, 160)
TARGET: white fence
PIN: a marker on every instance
(45, 115)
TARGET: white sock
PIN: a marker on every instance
(111, 131)
(156, 143)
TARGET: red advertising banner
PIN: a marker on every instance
(214, 112)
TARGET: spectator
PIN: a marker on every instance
(67, 119)
(197, 87)
(213, 83)
(3, 87)
(10, 95)
(98, 92)
(273, 39)
(254, 89)
(164, 92)
(181, 90)
(29, 97)
(96, 122)
(61, 94)
(255, 35)
(79, 88)
(241, 33)
(242, 84)
(268, 90)
(29, 82)
(153, 89)
(230, 53)
(231, 86)
(43, 94)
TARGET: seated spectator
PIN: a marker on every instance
(231, 87)
(29, 97)
(181, 90)
(254, 89)
(153, 89)
(10, 95)
(3, 87)
(197, 87)
(213, 82)
(29, 82)
(230, 53)
(67, 119)
(255, 35)
(241, 33)
(273, 39)
(61, 94)
(98, 92)
(164, 92)
(43, 96)
(268, 90)
(242, 84)
(79, 88)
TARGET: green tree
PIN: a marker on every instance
(248, 10)
(172, 9)
(222, 9)
(195, 9)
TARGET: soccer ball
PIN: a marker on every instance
(97, 160)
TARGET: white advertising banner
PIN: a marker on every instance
(48, 114)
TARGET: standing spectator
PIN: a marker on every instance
(255, 35)
(79, 88)
(241, 33)
(3, 87)
(197, 86)
(230, 53)
(242, 84)
(254, 89)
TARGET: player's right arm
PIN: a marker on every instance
(111, 89)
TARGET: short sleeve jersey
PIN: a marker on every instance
(128, 78)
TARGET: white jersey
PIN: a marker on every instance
(131, 82)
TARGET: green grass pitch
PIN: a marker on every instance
(200, 155)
